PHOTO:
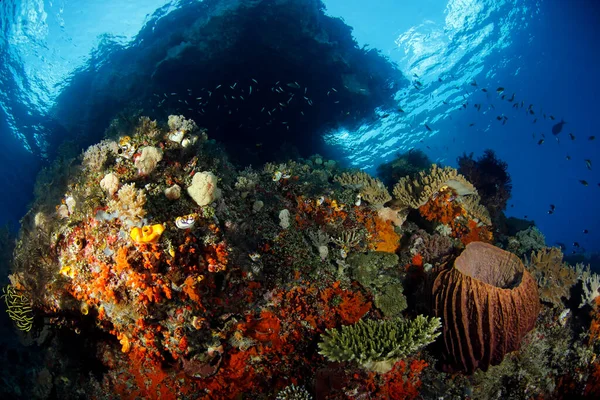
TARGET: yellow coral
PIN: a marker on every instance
(147, 234)
(372, 190)
(413, 193)
(18, 308)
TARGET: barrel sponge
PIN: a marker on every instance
(487, 302)
(204, 188)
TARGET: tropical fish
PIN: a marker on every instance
(584, 183)
(400, 109)
(557, 128)
(572, 136)
(592, 138)
(541, 141)
(586, 231)
(568, 158)
(588, 164)
(484, 90)
(512, 98)
(428, 128)
(500, 89)
(552, 117)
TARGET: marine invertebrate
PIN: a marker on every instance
(430, 247)
(377, 345)
(293, 392)
(173, 192)
(372, 190)
(415, 192)
(96, 155)
(490, 176)
(148, 159)
(18, 307)
(554, 278)
(407, 164)
(110, 183)
(590, 284)
(203, 189)
(129, 204)
(487, 302)
(147, 234)
(179, 123)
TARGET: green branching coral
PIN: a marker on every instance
(18, 308)
(377, 345)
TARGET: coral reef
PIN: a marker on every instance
(489, 175)
(526, 241)
(554, 278)
(407, 164)
(18, 307)
(414, 192)
(228, 289)
(377, 345)
(487, 302)
(370, 189)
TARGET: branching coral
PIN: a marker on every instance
(371, 189)
(590, 284)
(377, 345)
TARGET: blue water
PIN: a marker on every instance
(545, 52)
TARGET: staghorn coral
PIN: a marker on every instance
(372, 190)
(415, 192)
(487, 302)
(554, 278)
(129, 204)
(377, 345)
